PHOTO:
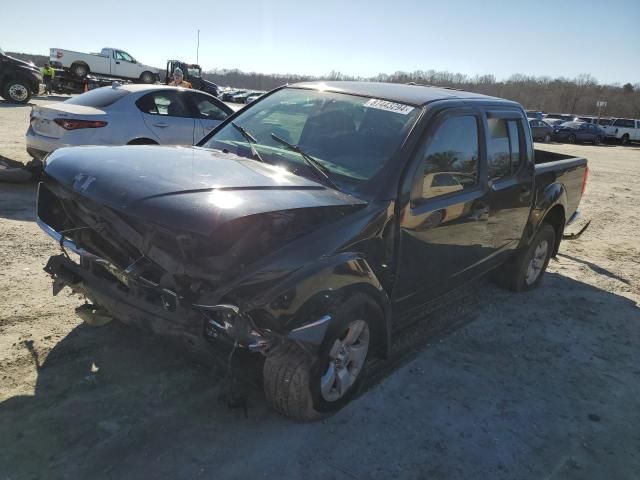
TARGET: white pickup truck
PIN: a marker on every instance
(625, 130)
(110, 61)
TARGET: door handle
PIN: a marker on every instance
(161, 125)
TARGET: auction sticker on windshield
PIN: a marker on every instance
(388, 106)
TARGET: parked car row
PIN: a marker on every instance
(624, 130)
(562, 131)
(240, 96)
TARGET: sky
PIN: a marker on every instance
(361, 38)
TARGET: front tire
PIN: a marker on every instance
(597, 140)
(571, 139)
(525, 272)
(16, 91)
(307, 387)
(625, 139)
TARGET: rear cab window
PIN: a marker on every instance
(504, 152)
(99, 98)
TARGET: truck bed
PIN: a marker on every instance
(565, 170)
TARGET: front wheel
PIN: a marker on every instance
(597, 140)
(571, 139)
(307, 387)
(16, 91)
(625, 139)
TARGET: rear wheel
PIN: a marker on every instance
(16, 91)
(597, 140)
(305, 386)
(625, 139)
(147, 77)
(79, 69)
(142, 141)
(527, 269)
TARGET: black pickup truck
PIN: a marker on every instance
(307, 226)
(18, 79)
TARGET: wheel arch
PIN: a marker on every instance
(80, 62)
(550, 207)
(142, 141)
(309, 294)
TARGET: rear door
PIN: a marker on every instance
(510, 172)
(209, 112)
(443, 231)
(169, 116)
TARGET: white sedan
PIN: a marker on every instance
(125, 115)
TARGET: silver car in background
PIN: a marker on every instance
(125, 115)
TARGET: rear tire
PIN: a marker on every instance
(147, 77)
(16, 91)
(525, 272)
(307, 387)
(79, 70)
(142, 141)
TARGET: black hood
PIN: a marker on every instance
(22, 63)
(188, 189)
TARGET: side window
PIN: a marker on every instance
(624, 123)
(123, 56)
(451, 158)
(503, 148)
(207, 109)
(165, 103)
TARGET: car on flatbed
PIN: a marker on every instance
(310, 226)
(112, 62)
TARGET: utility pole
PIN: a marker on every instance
(198, 49)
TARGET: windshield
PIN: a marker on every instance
(193, 72)
(351, 137)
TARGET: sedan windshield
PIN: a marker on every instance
(350, 137)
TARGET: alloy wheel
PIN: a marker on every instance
(346, 359)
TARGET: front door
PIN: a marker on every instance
(209, 112)
(169, 117)
(444, 239)
(124, 65)
(510, 172)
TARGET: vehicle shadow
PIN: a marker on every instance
(596, 268)
(18, 200)
(540, 384)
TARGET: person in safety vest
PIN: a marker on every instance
(47, 75)
(178, 79)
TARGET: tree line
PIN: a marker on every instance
(552, 95)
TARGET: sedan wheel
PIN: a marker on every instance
(597, 140)
(547, 138)
(346, 359)
(571, 139)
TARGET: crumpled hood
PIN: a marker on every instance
(186, 188)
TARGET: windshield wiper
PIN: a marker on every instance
(315, 165)
(250, 139)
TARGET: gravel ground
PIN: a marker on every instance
(494, 385)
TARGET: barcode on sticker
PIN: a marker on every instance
(388, 106)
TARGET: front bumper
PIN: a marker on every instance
(137, 302)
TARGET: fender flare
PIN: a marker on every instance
(553, 196)
(302, 300)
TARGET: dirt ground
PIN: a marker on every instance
(495, 385)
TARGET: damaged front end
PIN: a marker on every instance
(176, 282)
